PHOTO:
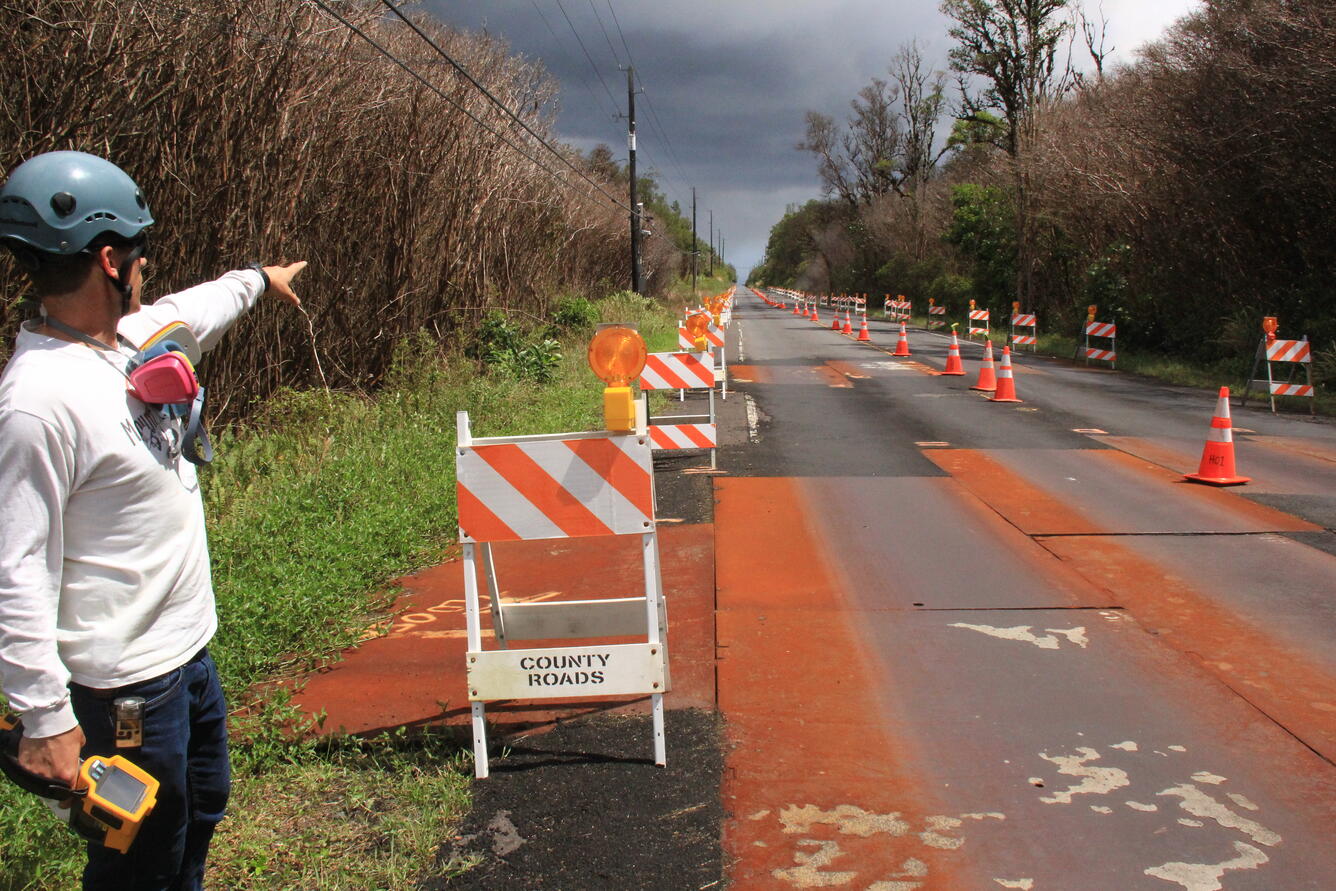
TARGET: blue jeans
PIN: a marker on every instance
(185, 748)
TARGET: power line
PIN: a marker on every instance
(620, 35)
(495, 101)
(584, 81)
(430, 86)
(649, 100)
(570, 25)
(590, 59)
(606, 36)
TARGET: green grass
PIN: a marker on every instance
(313, 509)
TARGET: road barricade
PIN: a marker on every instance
(980, 322)
(936, 315)
(715, 339)
(681, 371)
(1024, 320)
(564, 485)
(1101, 329)
(898, 310)
(1297, 354)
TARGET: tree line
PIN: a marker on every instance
(261, 129)
(1187, 194)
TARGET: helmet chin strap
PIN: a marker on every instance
(122, 281)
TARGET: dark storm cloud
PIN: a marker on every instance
(730, 83)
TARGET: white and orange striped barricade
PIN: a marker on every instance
(980, 322)
(1295, 353)
(715, 339)
(681, 371)
(936, 316)
(563, 485)
(1101, 329)
(1025, 320)
(905, 310)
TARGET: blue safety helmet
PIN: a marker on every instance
(59, 202)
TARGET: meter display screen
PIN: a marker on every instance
(121, 789)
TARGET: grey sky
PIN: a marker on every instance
(730, 83)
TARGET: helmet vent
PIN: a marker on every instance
(100, 215)
(63, 203)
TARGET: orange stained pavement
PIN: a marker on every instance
(414, 675)
(1255, 659)
(817, 780)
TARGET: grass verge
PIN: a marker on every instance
(313, 509)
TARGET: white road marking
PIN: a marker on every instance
(1022, 633)
(886, 366)
(1202, 776)
(1241, 801)
(1206, 876)
(742, 353)
(1144, 808)
(1019, 884)
(808, 873)
(753, 418)
(1127, 746)
(1199, 804)
(814, 869)
(1094, 780)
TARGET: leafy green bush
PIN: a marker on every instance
(506, 348)
(575, 315)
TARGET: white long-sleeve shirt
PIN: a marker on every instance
(104, 566)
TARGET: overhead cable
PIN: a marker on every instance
(571, 25)
(495, 101)
(426, 83)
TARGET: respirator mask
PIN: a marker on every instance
(162, 375)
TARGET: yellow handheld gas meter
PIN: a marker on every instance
(114, 797)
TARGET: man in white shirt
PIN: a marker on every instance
(105, 592)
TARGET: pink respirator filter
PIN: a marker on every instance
(168, 379)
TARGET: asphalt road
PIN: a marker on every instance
(966, 644)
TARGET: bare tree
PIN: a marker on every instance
(922, 96)
(823, 141)
(1012, 45)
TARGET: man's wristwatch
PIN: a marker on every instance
(260, 269)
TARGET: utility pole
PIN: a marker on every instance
(695, 242)
(711, 242)
(631, 166)
(722, 261)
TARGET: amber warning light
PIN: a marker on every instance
(617, 356)
(697, 324)
(1270, 325)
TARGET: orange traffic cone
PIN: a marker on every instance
(795, 307)
(953, 363)
(848, 324)
(835, 322)
(1217, 458)
(902, 345)
(1006, 384)
(987, 379)
(863, 334)
(814, 316)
